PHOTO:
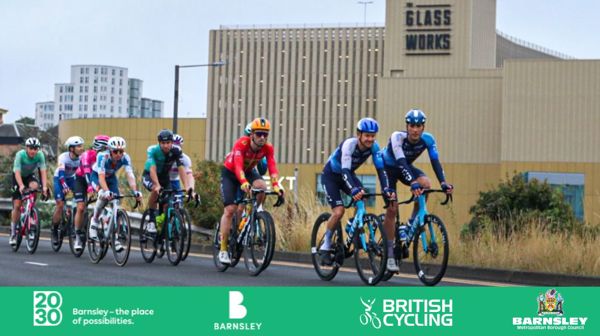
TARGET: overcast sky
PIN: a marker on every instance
(41, 39)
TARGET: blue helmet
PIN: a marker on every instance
(248, 129)
(367, 125)
(415, 117)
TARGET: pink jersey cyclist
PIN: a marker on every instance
(88, 159)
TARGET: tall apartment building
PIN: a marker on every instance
(95, 91)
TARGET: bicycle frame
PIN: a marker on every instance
(242, 237)
(28, 202)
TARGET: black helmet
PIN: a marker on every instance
(165, 135)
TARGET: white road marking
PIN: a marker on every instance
(35, 263)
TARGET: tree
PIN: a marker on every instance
(208, 186)
(26, 121)
(517, 203)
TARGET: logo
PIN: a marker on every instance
(407, 313)
(549, 312)
(368, 316)
(237, 311)
(46, 308)
(550, 303)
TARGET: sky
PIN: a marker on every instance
(41, 39)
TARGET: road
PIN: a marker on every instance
(48, 268)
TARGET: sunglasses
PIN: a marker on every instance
(416, 125)
(118, 151)
(166, 142)
(262, 134)
(34, 148)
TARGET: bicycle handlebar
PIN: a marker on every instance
(188, 192)
(365, 196)
(429, 191)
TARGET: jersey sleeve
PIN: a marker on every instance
(41, 159)
(17, 163)
(271, 164)
(434, 157)
(127, 164)
(238, 159)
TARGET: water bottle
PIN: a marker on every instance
(349, 226)
(106, 214)
(403, 233)
(242, 221)
(160, 219)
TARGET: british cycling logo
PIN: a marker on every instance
(237, 311)
(550, 308)
(407, 313)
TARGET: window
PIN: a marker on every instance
(368, 182)
(571, 185)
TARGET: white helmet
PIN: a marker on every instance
(74, 141)
(33, 142)
(177, 139)
(116, 143)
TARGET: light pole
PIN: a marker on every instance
(365, 3)
(176, 98)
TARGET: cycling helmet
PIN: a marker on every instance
(116, 143)
(367, 125)
(248, 129)
(177, 139)
(100, 142)
(260, 124)
(33, 142)
(74, 141)
(415, 117)
(165, 135)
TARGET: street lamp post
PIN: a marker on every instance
(176, 98)
(365, 3)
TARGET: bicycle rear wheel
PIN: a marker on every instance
(121, 238)
(431, 250)
(147, 240)
(32, 231)
(326, 263)
(260, 242)
(174, 238)
(370, 250)
(187, 236)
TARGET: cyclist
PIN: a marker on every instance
(27, 161)
(403, 148)
(187, 165)
(239, 173)
(83, 179)
(338, 174)
(104, 175)
(161, 158)
(64, 182)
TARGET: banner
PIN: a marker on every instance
(299, 311)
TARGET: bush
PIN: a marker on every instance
(516, 203)
(208, 186)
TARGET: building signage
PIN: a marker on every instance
(428, 29)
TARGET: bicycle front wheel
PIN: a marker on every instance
(56, 242)
(370, 250)
(326, 263)
(33, 231)
(121, 238)
(187, 233)
(174, 238)
(431, 250)
(96, 247)
(260, 241)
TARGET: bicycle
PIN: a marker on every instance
(364, 233)
(254, 236)
(170, 239)
(28, 224)
(428, 230)
(113, 226)
(67, 228)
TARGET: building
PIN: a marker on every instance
(496, 105)
(95, 91)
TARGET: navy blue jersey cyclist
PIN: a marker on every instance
(338, 174)
(403, 148)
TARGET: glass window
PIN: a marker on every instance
(571, 185)
(368, 182)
